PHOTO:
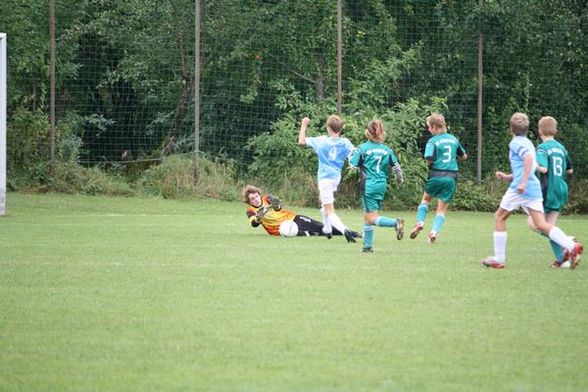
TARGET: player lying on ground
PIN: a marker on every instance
(267, 211)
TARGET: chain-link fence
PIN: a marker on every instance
(125, 75)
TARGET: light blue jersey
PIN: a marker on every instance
(519, 147)
(331, 153)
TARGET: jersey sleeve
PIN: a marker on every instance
(350, 149)
(518, 149)
(461, 151)
(430, 150)
(251, 211)
(398, 173)
(542, 157)
(568, 163)
(393, 159)
(312, 142)
(355, 158)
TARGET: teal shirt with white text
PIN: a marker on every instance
(443, 150)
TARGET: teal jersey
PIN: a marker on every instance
(442, 150)
(375, 161)
(553, 156)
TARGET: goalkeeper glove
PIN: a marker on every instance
(261, 213)
(398, 175)
(275, 202)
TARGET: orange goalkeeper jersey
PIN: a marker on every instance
(272, 219)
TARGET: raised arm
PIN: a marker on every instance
(302, 134)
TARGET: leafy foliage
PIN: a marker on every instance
(70, 177)
(174, 178)
(125, 72)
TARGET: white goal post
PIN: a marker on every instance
(3, 103)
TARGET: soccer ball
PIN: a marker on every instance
(288, 229)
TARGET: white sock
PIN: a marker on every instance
(557, 235)
(500, 246)
(336, 222)
(327, 227)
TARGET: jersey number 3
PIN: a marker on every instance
(447, 154)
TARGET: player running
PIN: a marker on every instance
(525, 192)
(332, 150)
(374, 159)
(553, 166)
(441, 153)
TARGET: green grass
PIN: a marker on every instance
(109, 294)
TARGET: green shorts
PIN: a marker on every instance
(553, 202)
(443, 188)
(370, 204)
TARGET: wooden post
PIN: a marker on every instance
(480, 95)
(339, 57)
(197, 93)
(52, 60)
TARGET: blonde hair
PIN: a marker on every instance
(436, 121)
(375, 131)
(548, 125)
(519, 124)
(335, 123)
(247, 190)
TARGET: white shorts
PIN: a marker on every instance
(327, 189)
(512, 201)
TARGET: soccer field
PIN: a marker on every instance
(109, 294)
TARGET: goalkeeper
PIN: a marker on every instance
(267, 211)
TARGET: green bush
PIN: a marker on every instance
(70, 177)
(28, 155)
(578, 200)
(174, 178)
(473, 197)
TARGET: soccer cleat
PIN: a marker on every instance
(399, 228)
(349, 236)
(432, 237)
(367, 250)
(356, 234)
(574, 255)
(329, 235)
(414, 232)
(556, 264)
(489, 262)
